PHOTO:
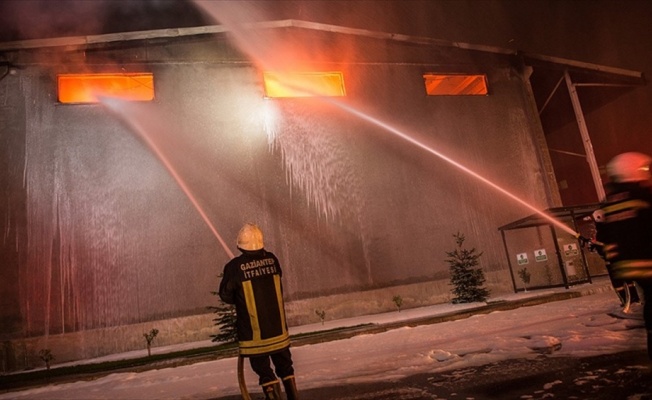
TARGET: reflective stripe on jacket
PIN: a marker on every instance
(627, 230)
(632, 269)
(252, 282)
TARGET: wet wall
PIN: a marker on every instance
(12, 205)
(98, 233)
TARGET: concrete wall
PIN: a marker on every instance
(24, 354)
(107, 237)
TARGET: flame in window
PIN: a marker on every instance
(303, 84)
(455, 85)
(89, 88)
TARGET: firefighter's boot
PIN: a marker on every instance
(272, 390)
(633, 292)
(290, 385)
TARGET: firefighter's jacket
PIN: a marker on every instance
(626, 231)
(252, 282)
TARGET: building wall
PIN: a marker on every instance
(355, 194)
(602, 32)
(12, 153)
(21, 354)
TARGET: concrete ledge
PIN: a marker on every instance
(342, 332)
(22, 354)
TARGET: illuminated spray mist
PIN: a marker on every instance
(456, 164)
(114, 105)
(269, 54)
(385, 126)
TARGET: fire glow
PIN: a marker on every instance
(303, 84)
(89, 88)
(455, 85)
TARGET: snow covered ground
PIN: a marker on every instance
(577, 327)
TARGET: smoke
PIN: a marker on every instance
(35, 19)
(38, 19)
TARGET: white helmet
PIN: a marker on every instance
(630, 167)
(598, 215)
(250, 237)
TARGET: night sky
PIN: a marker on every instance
(34, 19)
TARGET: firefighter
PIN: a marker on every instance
(252, 282)
(625, 290)
(626, 231)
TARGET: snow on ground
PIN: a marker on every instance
(577, 327)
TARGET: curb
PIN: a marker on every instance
(28, 379)
(491, 306)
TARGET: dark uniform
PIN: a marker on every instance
(252, 282)
(627, 237)
(625, 289)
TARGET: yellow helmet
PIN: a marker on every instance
(250, 237)
(630, 167)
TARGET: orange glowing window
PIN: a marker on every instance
(303, 84)
(89, 88)
(455, 85)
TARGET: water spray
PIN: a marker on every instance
(113, 105)
(456, 164)
(228, 14)
(449, 160)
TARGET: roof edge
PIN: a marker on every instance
(584, 65)
(81, 41)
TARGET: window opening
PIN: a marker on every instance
(303, 84)
(455, 84)
(89, 88)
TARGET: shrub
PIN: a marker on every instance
(149, 337)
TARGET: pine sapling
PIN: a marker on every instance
(466, 277)
(226, 320)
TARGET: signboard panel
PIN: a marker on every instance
(521, 258)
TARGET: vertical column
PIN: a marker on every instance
(586, 140)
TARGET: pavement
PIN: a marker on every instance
(316, 333)
(376, 323)
(619, 376)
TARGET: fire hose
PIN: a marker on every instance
(241, 379)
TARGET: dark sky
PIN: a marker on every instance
(34, 19)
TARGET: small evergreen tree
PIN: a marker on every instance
(226, 321)
(466, 277)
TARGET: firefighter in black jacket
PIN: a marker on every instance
(252, 282)
(626, 231)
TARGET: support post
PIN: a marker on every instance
(586, 139)
(560, 259)
(509, 260)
